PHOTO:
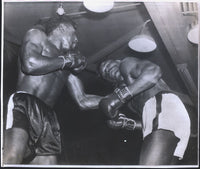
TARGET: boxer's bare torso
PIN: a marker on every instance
(45, 85)
(44, 67)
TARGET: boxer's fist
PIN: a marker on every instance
(110, 105)
(78, 60)
(80, 68)
(109, 70)
(73, 60)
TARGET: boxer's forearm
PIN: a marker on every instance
(139, 86)
(88, 102)
(148, 78)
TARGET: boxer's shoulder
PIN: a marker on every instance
(35, 36)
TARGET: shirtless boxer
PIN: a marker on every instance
(49, 53)
(165, 121)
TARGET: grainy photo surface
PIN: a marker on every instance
(99, 83)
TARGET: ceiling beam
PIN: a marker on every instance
(171, 26)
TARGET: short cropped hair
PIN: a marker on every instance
(49, 24)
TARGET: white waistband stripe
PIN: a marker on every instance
(9, 120)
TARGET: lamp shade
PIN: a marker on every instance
(98, 6)
(193, 34)
(142, 43)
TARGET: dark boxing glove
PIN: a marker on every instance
(110, 104)
(74, 61)
(80, 68)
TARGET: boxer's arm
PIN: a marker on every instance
(76, 89)
(145, 74)
(32, 61)
(150, 74)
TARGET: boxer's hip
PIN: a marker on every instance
(42, 124)
(169, 113)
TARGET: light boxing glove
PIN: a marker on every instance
(110, 104)
(122, 122)
(73, 61)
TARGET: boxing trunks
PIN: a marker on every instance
(166, 111)
(34, 116)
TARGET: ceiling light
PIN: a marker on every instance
(98, 6)
(60, 10)
(193, 35)
(142, 42)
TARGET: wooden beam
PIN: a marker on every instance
(171, 26)
(186, 77)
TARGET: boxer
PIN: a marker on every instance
(165, 120)
(49, 56)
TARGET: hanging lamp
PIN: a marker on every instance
(98, 6)
(193, 34)
(142, 42)
(60, 11)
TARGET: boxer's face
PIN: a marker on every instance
(65, 36)
(109, 70)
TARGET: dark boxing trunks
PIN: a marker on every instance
(40, 121)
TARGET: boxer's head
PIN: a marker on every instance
(110, 71)
(61, 30)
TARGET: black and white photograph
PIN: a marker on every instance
(100, 83)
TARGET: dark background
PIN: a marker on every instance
(86, 137)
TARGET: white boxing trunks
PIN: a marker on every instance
(173, 116)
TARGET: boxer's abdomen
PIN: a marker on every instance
(46, 87)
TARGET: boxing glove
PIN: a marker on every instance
(122, 122)
(111, 104)
(74, 61)
(80, 68)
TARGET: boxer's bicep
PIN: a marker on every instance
(31, 47)
(31, 50)
(30, 55)
(75, 87)
(33, 62)
(76, 90)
